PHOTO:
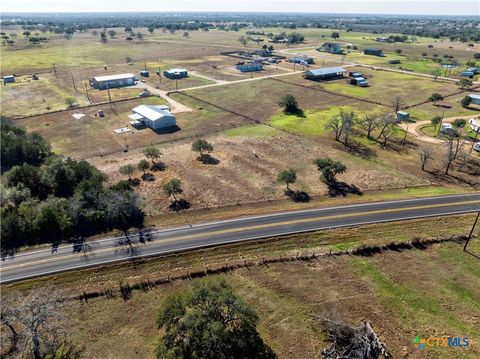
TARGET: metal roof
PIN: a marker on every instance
(113, 77)
(327, 71)
(476, 97)
(151, 112)
(174, 71)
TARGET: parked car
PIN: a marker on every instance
(476, 147)
(447, 129)
(145, 93)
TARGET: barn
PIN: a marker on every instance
(156, 117)
(175, 74)
(325, 74)
(112, 81)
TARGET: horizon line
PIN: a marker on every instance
(224, 12)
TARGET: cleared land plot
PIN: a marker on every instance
(29, 97)
(259, 99)
(250, 159)
(403, 294)
(68, 136)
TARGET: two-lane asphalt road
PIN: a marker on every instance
(173, 240)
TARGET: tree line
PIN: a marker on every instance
(47, 198)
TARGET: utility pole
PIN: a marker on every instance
(475, 139)
(471, 232)
(55, 71)
(176, 84)
(73, 82)
(86, 92)
(109, 97)
(441, 123)
(145, 65)
(405, 137)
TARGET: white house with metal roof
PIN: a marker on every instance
(156, 117)
(112, 81)
(325, 73)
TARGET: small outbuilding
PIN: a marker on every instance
(175, 74)
(250, 67)
(325, 73)
(355, 74)
(8, 79)
(403, 116)
(156, 117)
(112, 81)
(145, 73)
(475, 99)
(394, 61)
(331, 47)
(373, 52)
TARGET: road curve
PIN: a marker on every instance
(174, 240)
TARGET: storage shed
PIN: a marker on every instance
(394, 61)
(156, 117)
(9, 78)
(403, 116)
(325, 74)
(373, 51)
(175, 74)
(145, 73)
(112, 81)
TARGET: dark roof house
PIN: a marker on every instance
(331, 47)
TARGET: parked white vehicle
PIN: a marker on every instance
(474, 124)
(476, 147)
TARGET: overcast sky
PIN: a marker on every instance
(420, 7)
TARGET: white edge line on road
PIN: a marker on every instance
(190, 248)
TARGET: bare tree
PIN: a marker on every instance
(454, 145)
(398, 103)
(369, 123)
(243, 40)
(334, 124)
(36, 322)
(425, 155)
(386, 126)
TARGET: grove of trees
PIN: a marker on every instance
(47, 198)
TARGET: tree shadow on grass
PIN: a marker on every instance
(298, 196)
(148, 177)
(179, 205)
(343, 189)
(358, 149)
(207, 159)
(158, 166)
(298, 113)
